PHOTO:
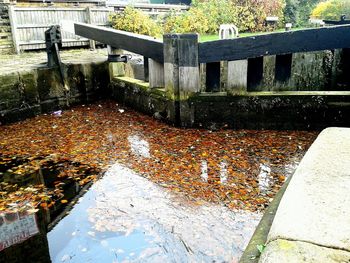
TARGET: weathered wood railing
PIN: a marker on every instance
(186, 71)
(245, 57)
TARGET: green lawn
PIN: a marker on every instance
(206, 38)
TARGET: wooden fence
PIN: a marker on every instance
(151, 9)
(5, 31)
(29, 24)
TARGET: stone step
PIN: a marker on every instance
(5, 34)
(4, 22)
(5, 29)
(6, 47)
(5, 41)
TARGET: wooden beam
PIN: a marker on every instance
(139, 44)
(275, 44)
(339, 22)
(92, 43)
(13, 22)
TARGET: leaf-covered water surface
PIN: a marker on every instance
(240, 168)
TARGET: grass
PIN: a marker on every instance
(206, 38)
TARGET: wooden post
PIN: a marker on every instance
(13, 23)
(116, 69)
(237, 77)
(237, 71)
(269, 73)
(92, 43)
(181, 74)
(156, 74)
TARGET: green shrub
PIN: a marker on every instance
(291, 12)
(193, 21)
(206, 16)
(298, 11)
(332, 9)
(133, 20)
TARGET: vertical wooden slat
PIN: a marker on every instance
(89, 21)
(12, 16)
(156, 74)
(45, 17)
(237, 77)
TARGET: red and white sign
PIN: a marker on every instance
(16, 228)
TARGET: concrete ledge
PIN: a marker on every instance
(282, 250)
(314, 212)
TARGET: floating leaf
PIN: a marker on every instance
(260, 248)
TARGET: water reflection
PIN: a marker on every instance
(126, 218)
(264, 178)
(139, 146)
(204, 170)
(223, 172)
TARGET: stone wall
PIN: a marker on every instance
(282, 111)
(27, 93)
(308, 91)
(6, 44)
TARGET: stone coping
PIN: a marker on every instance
(33, 60)
(312, 222)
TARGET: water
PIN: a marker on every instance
(207, 179)
(126, 218)
(264, 178)
(139, 146)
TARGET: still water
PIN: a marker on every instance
(168, 194)
(126, 218)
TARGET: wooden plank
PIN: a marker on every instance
(72, 1)
(275, 44)
(89, 21)
(33, 26)
(237, 77)
(30, 9)
(162, 7)
(14, 28)
(139, 44)
(155, 74)
(340, 22)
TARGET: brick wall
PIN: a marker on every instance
(6, 44)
